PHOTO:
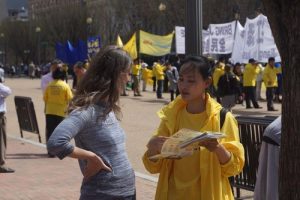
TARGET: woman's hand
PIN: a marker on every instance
(155, 144)
(94, 165)
(211, 145)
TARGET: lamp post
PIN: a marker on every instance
(38, 31)
(162, 8)
(26, 53)
(89, 22)
(193, 29)
(2, 36)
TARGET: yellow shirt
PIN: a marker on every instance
(219, 71)
(270, 76)
(213, 183)
(250, 75)
(146, 73)
(159, 72)
(136, 69)
(57, 96)
(185, 177)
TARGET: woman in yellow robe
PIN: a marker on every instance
(204, 175)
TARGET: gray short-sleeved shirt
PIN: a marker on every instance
(105, 138)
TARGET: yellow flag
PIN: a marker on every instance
(130, 47)
(155, 45)
(119, 41)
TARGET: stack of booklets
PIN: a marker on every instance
(184, 142)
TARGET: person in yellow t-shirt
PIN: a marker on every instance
(57, 96)
(136, 68)
(158, 70)
(271, 83)
(218, 71)
(204, 174)
(145, 75)
(249, 82)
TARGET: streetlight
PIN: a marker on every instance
(38, 31)
(162, 7)
(193, 29)
(89, 22)
(2, 49)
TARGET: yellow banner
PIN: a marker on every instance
(119, 42)
(155, 45)
(130, 47)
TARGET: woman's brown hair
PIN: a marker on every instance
(102, 83)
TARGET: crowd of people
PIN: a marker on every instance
(231, 83)
(89, 112)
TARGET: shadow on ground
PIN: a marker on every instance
(26, 156)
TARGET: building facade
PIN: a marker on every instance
(37, 7)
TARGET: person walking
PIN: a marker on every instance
(56, 97)
(271, 82)
(229, 88)
(4, 92)
(204, 174)
(172, 75)
(93, 122)
(79, 71)
(249, 82)
(136, 68)
(158, 70)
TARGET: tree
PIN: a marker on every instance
(21, 41)
(284, 20)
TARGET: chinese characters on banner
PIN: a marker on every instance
(218, 39)
(221, 38)
(255, 41)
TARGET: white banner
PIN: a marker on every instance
(237, 52)
(255, 41)
(205, 41)
(180, 39)
(221, 38)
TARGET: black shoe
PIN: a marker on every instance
(124, 95)
(4, 169)
(258, 107)
(248, 107)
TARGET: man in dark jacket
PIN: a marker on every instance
(228, 88)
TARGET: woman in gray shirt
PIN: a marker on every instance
(93, 122)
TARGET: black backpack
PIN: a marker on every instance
(223, 113)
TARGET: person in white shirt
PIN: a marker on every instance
(2, 73)
(4, 92)
(47, 78)
(259, 81)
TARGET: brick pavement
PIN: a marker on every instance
(39, 177)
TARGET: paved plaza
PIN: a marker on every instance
(40, 177)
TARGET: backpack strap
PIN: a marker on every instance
(223, 113)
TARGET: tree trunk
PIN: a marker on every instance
(284, 18)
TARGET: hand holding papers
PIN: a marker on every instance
(183, 143)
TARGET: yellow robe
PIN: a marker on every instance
(270, 76)
(214, 184)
